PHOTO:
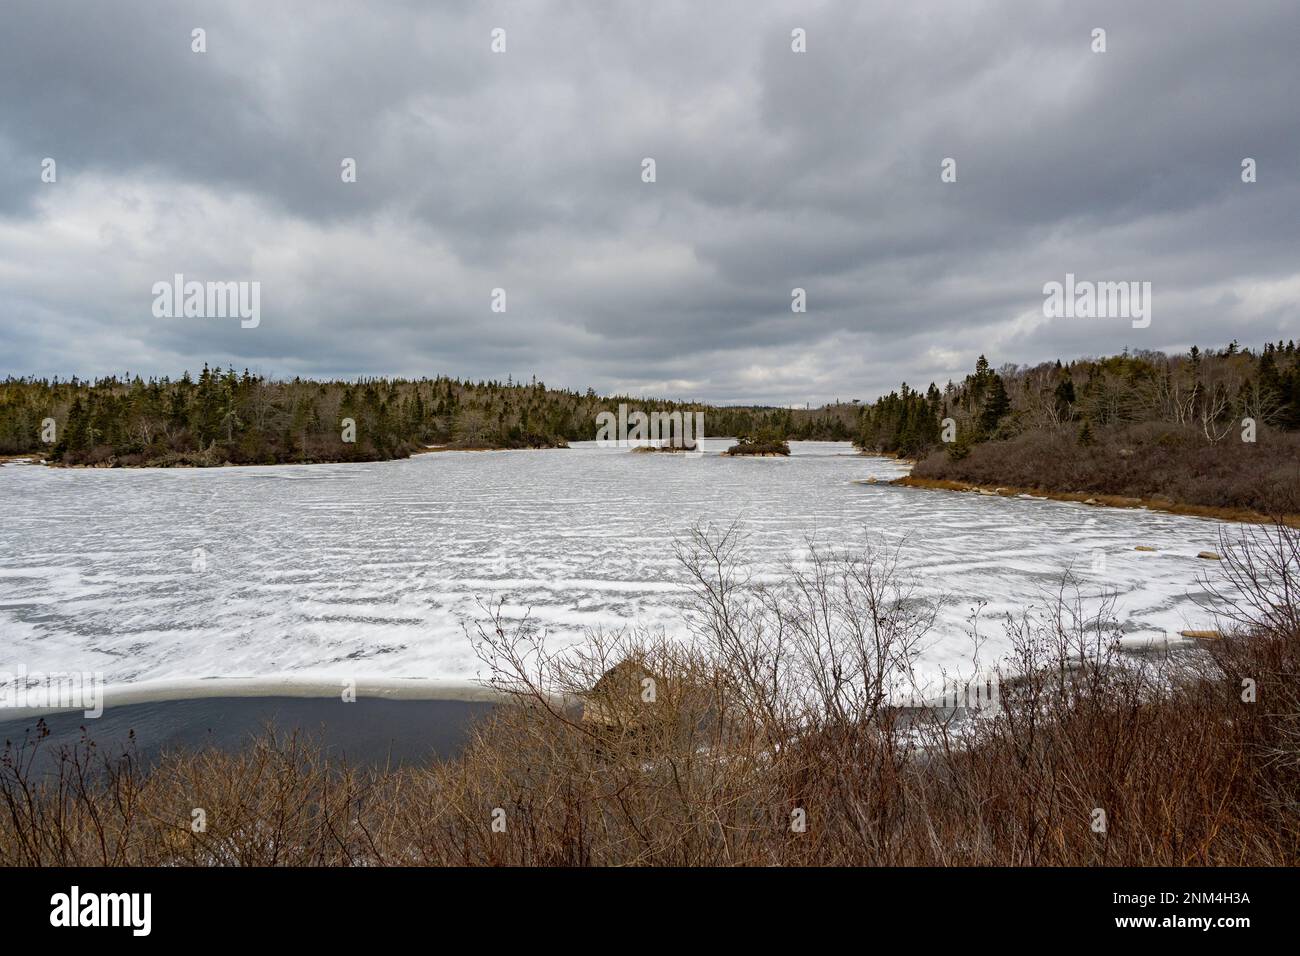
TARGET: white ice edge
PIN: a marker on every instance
(168, 690)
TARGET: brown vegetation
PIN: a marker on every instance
(1216, 430)
(1159, 465)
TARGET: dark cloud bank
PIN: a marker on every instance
(522, 170)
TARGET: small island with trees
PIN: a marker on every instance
(764, 442)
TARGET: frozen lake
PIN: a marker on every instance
(369, 570)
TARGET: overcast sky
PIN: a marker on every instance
(522, 170)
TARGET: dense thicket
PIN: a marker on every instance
(1209, 392)
(224, 416)
(1220, 429)
(227, 417)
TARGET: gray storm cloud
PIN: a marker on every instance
(522, 170)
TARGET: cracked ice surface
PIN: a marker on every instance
(373, 570)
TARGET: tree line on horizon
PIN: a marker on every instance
(224, 416)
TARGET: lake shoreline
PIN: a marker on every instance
(437, 449)
(40, 458)
(306, 686)
(1237, 515)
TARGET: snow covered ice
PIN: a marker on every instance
(373, 570)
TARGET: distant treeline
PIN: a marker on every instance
(1094, 424)
(1214, 428)
(228, 417)
(838, 422)
(225, 417)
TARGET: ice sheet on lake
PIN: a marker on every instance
(375, 569)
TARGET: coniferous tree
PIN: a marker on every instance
(996, 405)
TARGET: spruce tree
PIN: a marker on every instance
(996, 405)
